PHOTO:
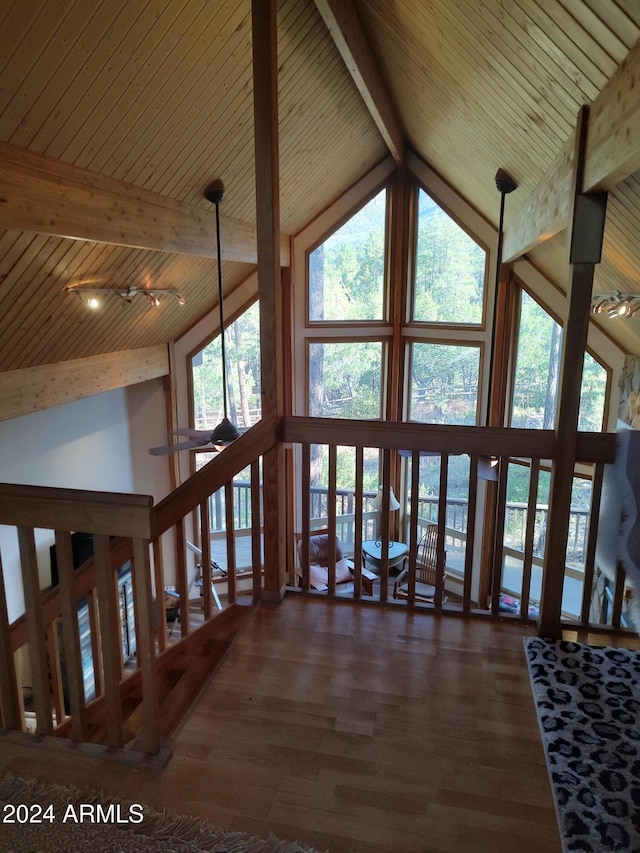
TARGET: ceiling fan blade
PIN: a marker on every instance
(181, 445)
(193, 433)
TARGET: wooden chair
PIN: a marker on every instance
(426, 569)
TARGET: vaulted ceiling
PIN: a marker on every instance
(115, 116)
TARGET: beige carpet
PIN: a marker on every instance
(37, 817)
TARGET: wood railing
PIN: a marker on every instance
(49, 627)
(124, 528)
(480, 582)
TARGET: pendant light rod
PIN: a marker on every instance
(215, 193)
(505, 185)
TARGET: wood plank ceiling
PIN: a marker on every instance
(159, 94)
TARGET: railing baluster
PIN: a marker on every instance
(35, 630)
(256, 530)
(158, 574)
(331, 520)
(205, 560)
(71, 636)
(141, 573)
(94, 630)
(111, 633)
(231, 545)
(470, 529)
(442, 516)
(182, 584)
(501, 498)
(10, 703)
(413, 526)
(384, 534)
(527, 564)
(590, 557)
(305, 499)
(357, 532)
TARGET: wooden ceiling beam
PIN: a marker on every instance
(32, 389)
(612, 154)
(346, 30)
(48, 196)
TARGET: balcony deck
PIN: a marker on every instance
(356, 730)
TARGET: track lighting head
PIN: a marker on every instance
(616, 304)
(93, 296)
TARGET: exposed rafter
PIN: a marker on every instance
(345, 28)
(612, 154)
(31, 389)
(48, 196)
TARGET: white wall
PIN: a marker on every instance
(97, 443)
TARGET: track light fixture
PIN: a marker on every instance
(93, 296)
(616, 304)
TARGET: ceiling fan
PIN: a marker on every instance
(221, 436)
(226, 432)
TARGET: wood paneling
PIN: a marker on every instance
(31, 389)
(159, 97)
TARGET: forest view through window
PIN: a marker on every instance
(346, 272)
(449, 269)
(242, 343)
(535, 393)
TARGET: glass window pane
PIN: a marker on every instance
(345, 379)
(346, 272)
(242, 343)
(449, 271)
(535, 394)
(444, 384)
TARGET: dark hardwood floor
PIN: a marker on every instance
(356, 729)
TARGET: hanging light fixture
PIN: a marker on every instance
(225, 432)
(505, 185)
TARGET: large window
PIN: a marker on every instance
(535, 393)
(449, 269)
(242, 343)
(346, 272)
(444, 383)
(345, 379)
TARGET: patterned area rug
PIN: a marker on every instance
(41, 818)
(588, 703)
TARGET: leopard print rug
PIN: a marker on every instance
(588, 704)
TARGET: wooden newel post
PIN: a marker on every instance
(586, 231)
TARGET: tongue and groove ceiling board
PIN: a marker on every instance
(158, 94)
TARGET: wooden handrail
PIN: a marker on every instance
(443, 438)
(215, 474)
(112, 513)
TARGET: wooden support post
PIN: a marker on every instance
(586, 231)
(265, 105)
